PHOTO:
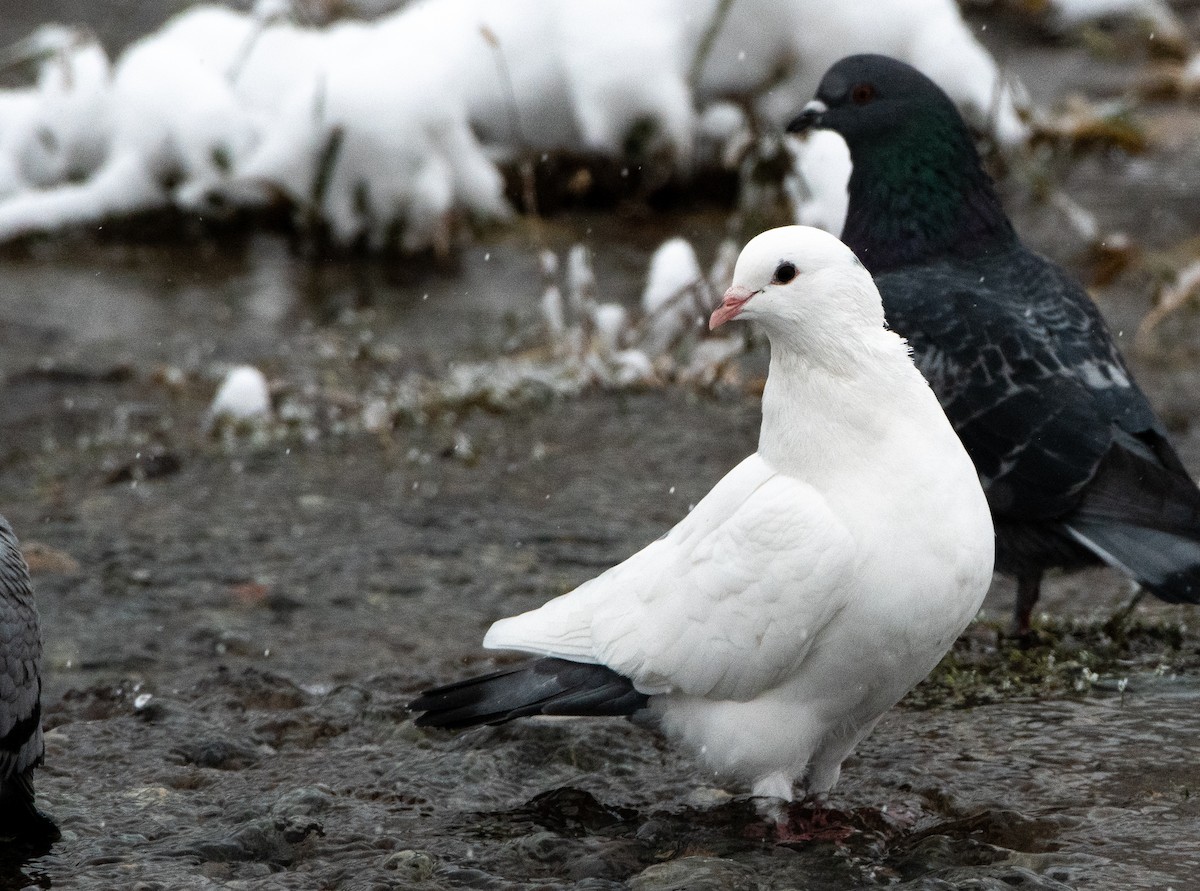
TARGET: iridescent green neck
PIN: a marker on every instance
(920, 194)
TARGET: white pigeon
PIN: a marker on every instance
(820, 580)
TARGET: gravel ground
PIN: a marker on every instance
(234, 624)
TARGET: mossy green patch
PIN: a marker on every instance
(1061, 658)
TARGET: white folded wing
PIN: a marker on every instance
(726, 605)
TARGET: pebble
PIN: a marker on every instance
(696, 874)
(416, 866)
(305, 801)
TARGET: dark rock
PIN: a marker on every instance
(273, 841)
(303, 802)
(217, 752)
(573, 811)
(148, 466)
(412, 866)
(696, 874)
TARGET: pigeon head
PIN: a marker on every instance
(918, 190)
(800, 283)
(871, 96)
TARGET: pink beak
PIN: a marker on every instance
(735, 298)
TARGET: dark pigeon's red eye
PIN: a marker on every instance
(861, 94)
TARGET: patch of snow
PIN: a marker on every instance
(675, 295)
(819, 191)
(1066, 15)
(673, 267)
(391, 129)
(779, 52)
(243, 396)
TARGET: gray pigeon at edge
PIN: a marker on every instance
(21, 744)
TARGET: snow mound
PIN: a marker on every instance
(388, 133)
(243, 396)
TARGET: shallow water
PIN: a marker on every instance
(228, 664)
(231, 634)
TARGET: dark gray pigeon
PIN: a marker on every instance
(1075, 464)
(21, 744)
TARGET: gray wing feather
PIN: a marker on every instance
(21, 744)
(1027, 372)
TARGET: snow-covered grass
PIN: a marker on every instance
(573, 341)
(585, 343)
(390, 131)
(59, 128)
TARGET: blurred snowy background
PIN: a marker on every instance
(294, 305)
(392, 129)
(386, 124)
(405, 130)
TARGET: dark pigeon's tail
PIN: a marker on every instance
(20, 819)
(1166, 564)
(1141, 514)
(537, 687)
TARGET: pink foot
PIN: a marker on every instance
(811, 821)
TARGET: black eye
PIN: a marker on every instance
(861, 94)
(784, 273)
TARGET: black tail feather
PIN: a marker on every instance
(1130, 487)
(1165, 564)
(537, 687)
(1143, 517)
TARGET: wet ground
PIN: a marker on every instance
(233, 624)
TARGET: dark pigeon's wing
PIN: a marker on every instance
(1027, 372)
